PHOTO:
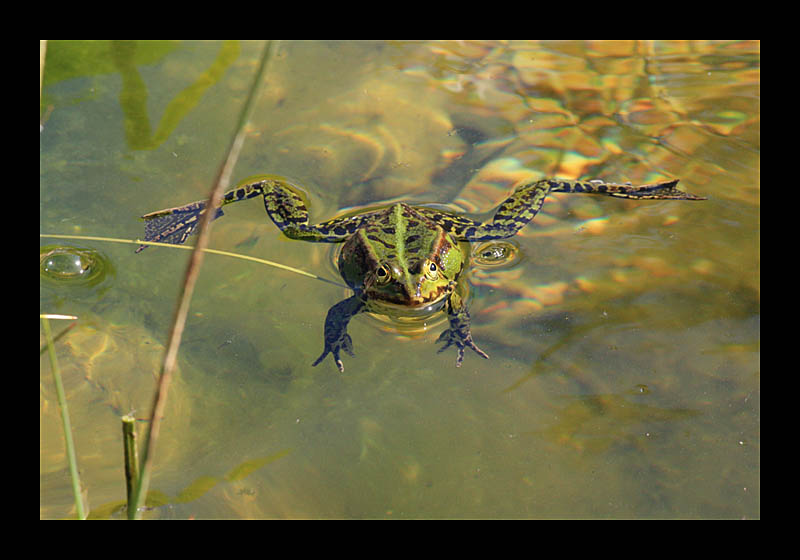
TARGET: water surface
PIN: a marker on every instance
(624, 379)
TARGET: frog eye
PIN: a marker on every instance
(383, 274)
(431, 270)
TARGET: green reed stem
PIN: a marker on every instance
(62, 405)
(131, 456)
(196, 260)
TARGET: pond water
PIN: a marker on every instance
(624, 336)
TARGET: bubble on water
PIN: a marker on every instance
(72, 266)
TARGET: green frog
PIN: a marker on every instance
(401, 258)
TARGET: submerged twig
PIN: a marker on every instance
(57, 337)
(179, 321)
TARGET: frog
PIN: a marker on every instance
(402, 258)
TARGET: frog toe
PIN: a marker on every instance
(321, 357)
(478, 351)
(344, 343)
(338, 361)
(472, 345)
(448, 340)
(451, 336)
(336, 358)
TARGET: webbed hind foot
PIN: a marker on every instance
(173, 225)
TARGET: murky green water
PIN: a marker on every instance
(624, 378)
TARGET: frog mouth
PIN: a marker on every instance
(409, 308)
(415, 303)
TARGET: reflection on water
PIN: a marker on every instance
(604, 296)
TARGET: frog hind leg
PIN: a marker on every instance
(288, 211)
(526, 201)
(175, 225)
(336, 337)
(665, 190)
(458, 333)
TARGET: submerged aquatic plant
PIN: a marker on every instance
(62, 405)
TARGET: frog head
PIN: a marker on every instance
(401, 259)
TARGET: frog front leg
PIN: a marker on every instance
(458, 332)
(336, 337)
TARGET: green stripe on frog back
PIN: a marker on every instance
(399, 225)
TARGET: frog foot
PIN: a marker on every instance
(344, 342)
(336, 337)
(462, 338)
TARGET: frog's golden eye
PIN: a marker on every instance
(383, 274)
(431, 270)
